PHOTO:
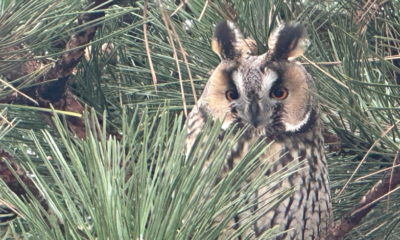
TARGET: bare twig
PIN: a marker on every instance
(11, 207)
(203, 11)
(167, 24)
(374, 173)
(186, 63)
(328, 74)
(365, 156)
(390, 181)
(215, 6)
(19, 92)
(373, 230)
(177, 9)
(393, 57)
(368, 201)
(6, 120)
(146, 43)
(230, 8)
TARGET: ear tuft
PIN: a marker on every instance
(288, 41)
(228, 41)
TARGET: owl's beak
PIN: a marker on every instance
(254, 110)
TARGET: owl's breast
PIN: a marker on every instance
(306, 213)
(243, 146)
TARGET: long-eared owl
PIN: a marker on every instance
(274, 96)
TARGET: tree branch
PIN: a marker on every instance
(56, 93)
(369, 200)
(53, 93)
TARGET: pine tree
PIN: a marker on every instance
(94, 95)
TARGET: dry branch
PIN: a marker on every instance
(53, 93)
(368, 201)
(56, 93)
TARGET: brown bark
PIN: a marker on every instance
(332, 140)
(8, 177)
(53, 93)
(14, 184)
(56, 93)
(369, 200)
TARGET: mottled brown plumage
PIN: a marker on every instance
(274, 95)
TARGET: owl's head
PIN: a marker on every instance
(271, 92)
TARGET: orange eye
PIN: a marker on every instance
(231, 95)
(279, 93)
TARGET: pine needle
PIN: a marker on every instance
(146, 41)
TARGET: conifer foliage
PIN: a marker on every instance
(94, 94)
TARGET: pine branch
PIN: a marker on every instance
(74, 52)
(380, 190)
(53, 93)
(56, 93)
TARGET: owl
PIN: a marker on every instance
(274, 97)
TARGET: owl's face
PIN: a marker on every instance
(269, 92)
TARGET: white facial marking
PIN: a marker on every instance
(294, 128)
(269, 78)
(238, 80)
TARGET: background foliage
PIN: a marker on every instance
(351, 44)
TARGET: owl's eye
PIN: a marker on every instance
(279, 93)
(232, 95)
